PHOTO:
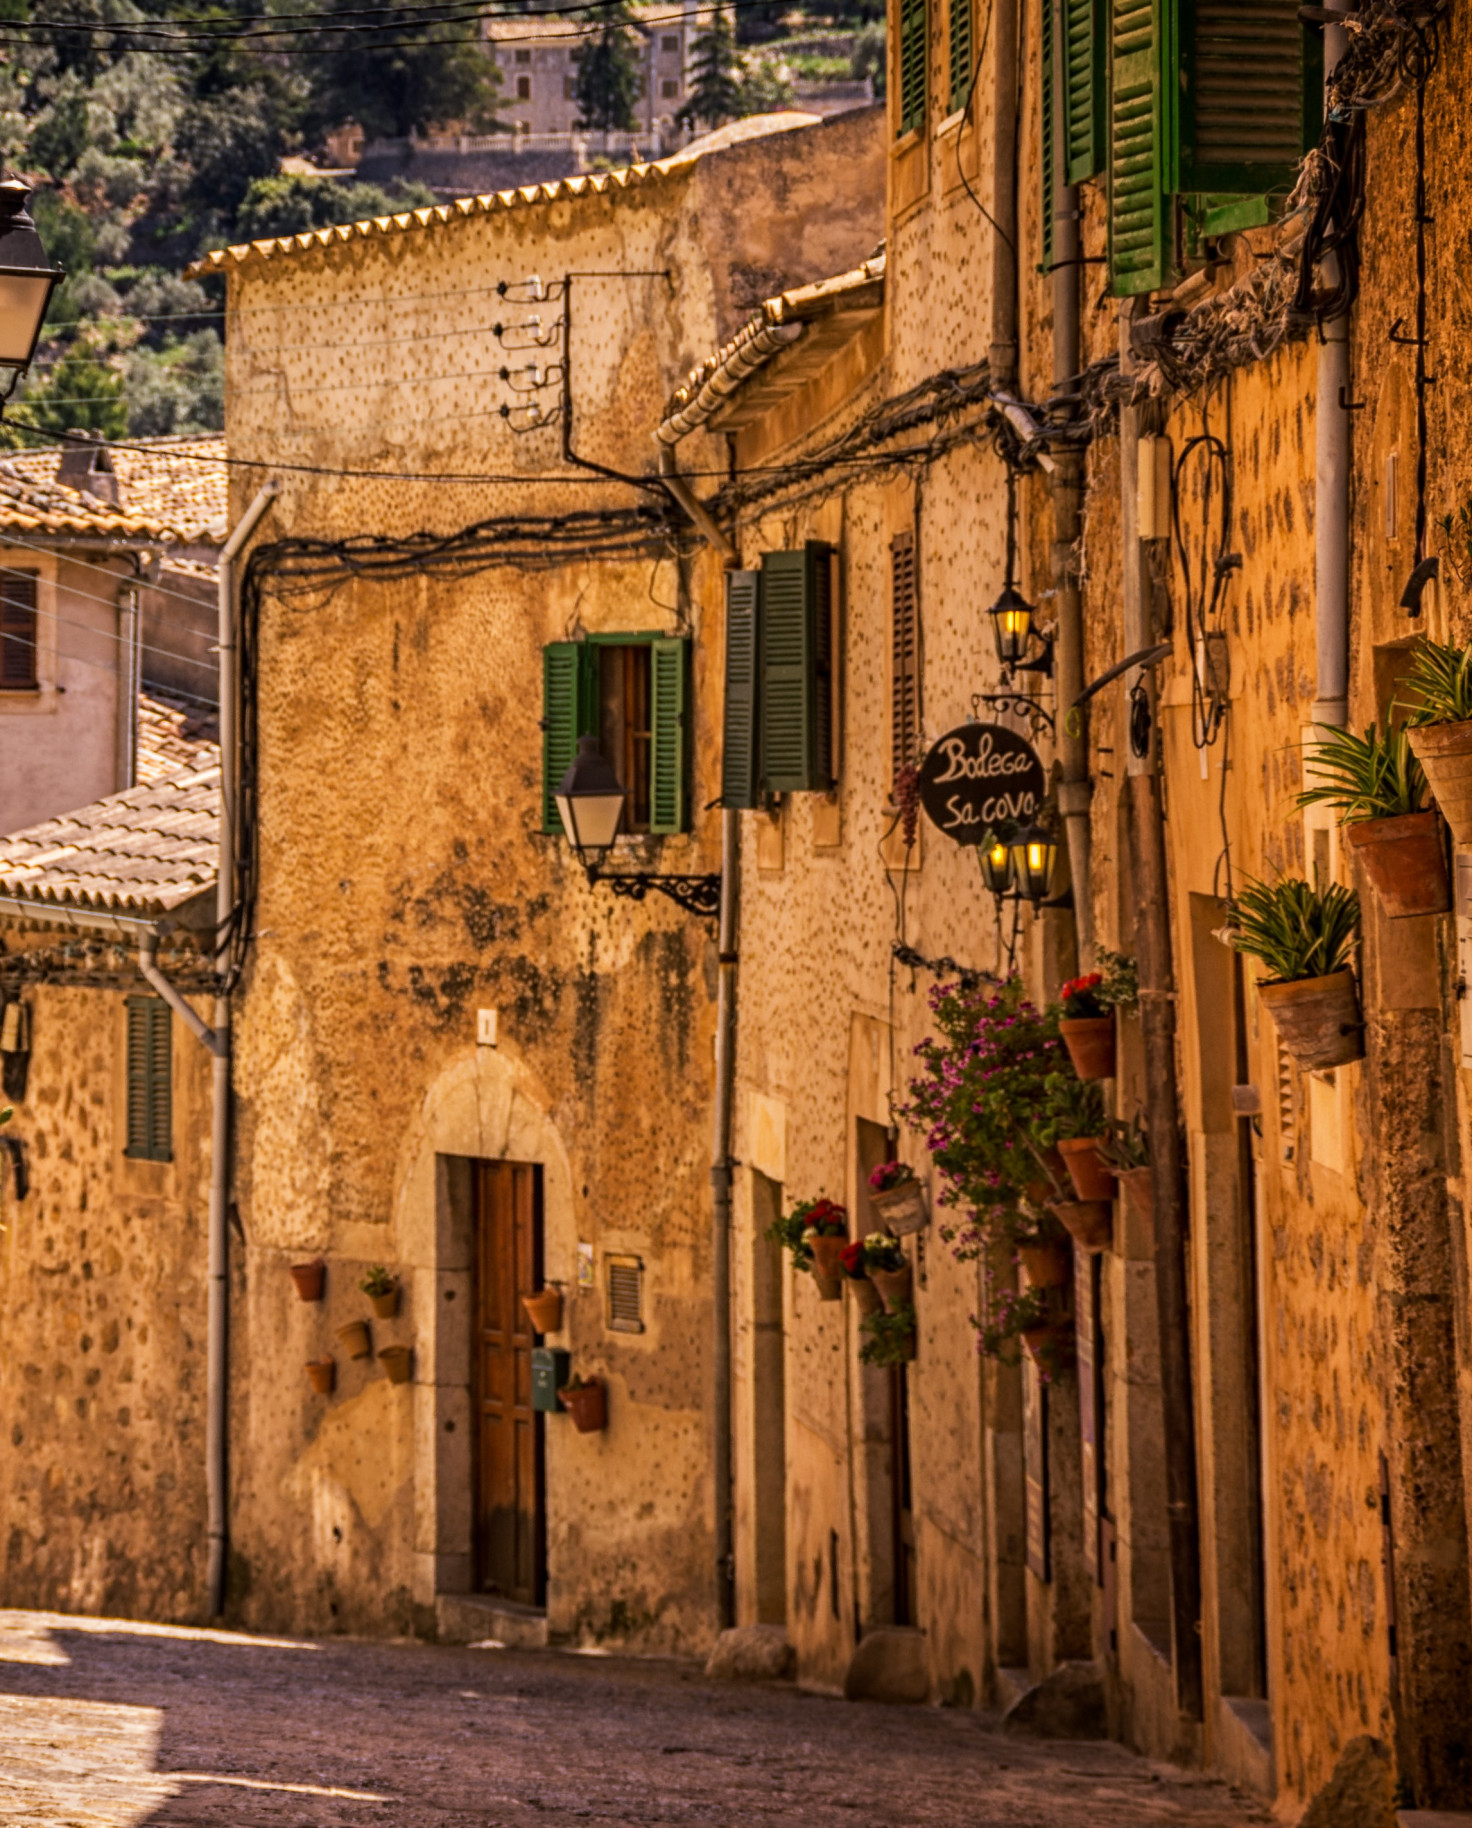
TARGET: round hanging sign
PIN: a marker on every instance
(981, 778)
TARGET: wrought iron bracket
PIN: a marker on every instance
(697, 895)
(1020, 704)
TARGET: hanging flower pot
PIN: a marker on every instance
(1039, 1343)
(1045, 1265)
(1139, 1192)
(587, 1404)
(398, 1361)
(1404, 861)
(894, 1285)
(902, 1207)
(1318, 1019)
(1040, 1191)
(828, 1266)
(866, 1296)
(355, 1339)
(544, 1309)
(1086, 1169)
(321, 1375)
(382, 1290)
(309, 1279)
(1445, 752)
(1090, 1223)
(1090, 1044)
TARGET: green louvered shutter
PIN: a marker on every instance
(1084, 40)
(963, 53)
(569, 710)
(1140, 119)
(150, 1080)
(796, 694)
(1251, 86)
(913, 53)
(739, 785)
(1047, 131)
(668, 663)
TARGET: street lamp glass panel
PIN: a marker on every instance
(1034, 854)
(1011, 616)
(590, 803)
(23, 301)
(996, 866)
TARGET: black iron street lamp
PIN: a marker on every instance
(1034, 853)
(1012, 623)
(27, 280)
(590, 803)
(995, 857)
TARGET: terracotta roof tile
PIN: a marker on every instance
(163, 486)
(173, 735)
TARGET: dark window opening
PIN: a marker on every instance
(150, 1080)
(625, 726)
(18, 631)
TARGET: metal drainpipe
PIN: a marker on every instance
(217, 1389)
(1004, 350)
(1075, 789)
(1331, 490)
(720, 1180)
(1151, 886)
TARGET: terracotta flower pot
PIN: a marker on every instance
(866, 1296)
(1037, 1341)
(544, 1309)
(1090, 1044)
(309, 1279)
(398, 1361)
(1139, 1191)
(321, 1375)
(1045, 1265)
(386, 1306)
(587, 1404)
(1445, 752)
(1091, 1179)
(1040, 1191)
(1318, 1019)
(355, 1339)
(903, 1208)
(828, 1266)
(1090, 1223)
(895, 1285)
(1404, 861)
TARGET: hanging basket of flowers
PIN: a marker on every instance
(815, 1233)
(898, 1198)
(856, 1279)
(1087, 1019)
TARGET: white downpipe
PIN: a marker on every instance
(1331, 494)
(217, 1383)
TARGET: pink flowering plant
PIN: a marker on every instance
(889, 1175)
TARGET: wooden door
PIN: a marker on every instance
(509, 1529)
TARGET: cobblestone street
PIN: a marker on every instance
(108, 1725)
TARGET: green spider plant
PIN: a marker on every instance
(1296, 930)
(1365, 777)
(1441, 680)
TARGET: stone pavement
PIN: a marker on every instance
(104, 1724)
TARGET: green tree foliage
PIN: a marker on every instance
(609, 82)
(292, 204)
(79, 394)
(403, 77)
(716, 93)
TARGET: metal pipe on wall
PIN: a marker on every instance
(1331, 490)
(720, 1177)
(1003, 354)
(217, 1390)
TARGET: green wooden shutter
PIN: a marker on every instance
(739, 784)
(796, 687)
(668, 664)
(1140, 119)
(963, 53)
(1084, 39)
(569, 710)
(913, 55)
(1251, 87)
(1047, 132)
(150, 1120)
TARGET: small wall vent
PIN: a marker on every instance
(625, 1294)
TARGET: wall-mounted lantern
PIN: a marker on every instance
(1034, 854)
(1013, 625)
(995, 857)
(590, 803)
(27, 280)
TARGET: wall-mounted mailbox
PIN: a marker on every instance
(551, 1368)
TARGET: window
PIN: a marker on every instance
(630, 693)
(779, 718)
(523, 88)
(913, 51)
(625, 1294)
(963, 56)
(670, 42)
(905, 647)
(669, 87)
(570, 88)
(523, 57)
(17, 631)
(150, 1068)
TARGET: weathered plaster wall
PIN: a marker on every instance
(102, 1287)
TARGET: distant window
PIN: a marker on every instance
(670, 42)
(523, 56)
(150, 1075)
(669, 87)
(523, 88)
(570, 88)
(17, 631)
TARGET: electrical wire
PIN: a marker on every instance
(100, 666)
(965, 121)
(139, 583)
(101, 634)
(1204, 583)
